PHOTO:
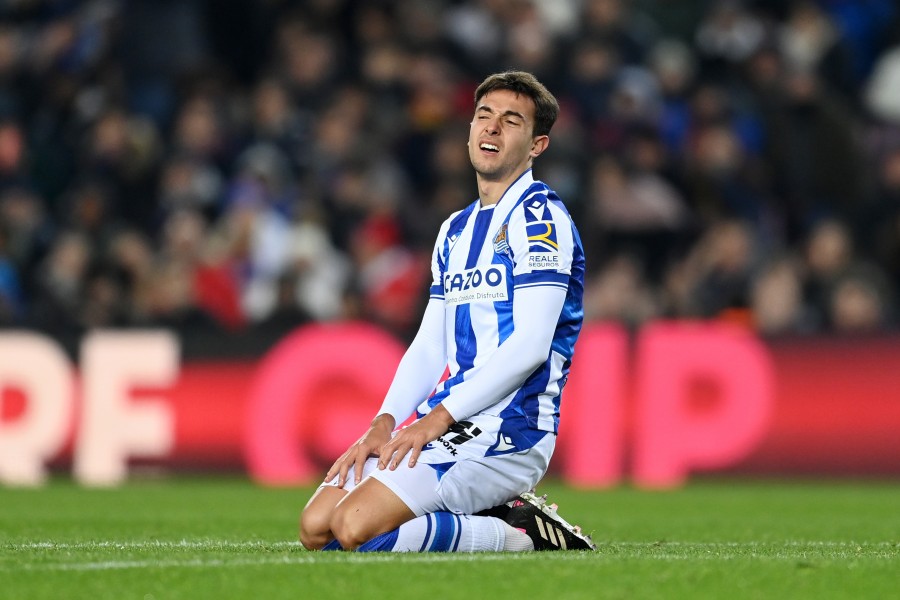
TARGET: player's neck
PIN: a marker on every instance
(491, 191)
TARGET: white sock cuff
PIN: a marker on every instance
(515, 540)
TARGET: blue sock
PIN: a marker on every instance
(381, 543)
(332, 545)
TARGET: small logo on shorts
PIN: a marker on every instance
(464, 431)
(504, 443)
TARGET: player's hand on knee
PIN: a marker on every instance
(355, 457)
(412, 439)
(342, 465)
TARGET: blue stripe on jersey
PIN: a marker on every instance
(531, 391)
(570, 320)
(465, 353)
(479, 234)
(516, 428)
(505, 325)
(524, 279)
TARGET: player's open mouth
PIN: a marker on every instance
(489, 148)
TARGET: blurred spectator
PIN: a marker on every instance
(727, 36)
(259, 240)
(215, 285)
(619, 292)
(29, 229)
(309, 61)
(611, 22)
(860, 302)
(391, 278)
(829, 253)
(276, 120)
(319, 274)
(884, 223)
(714, 280)
(592, 72)
(719, 179)
(530, 42)
(59, 286)
(105, 303)
(882, 93)
(12, 154)
(814, 152)
(811, 43)
(187, 183)
(629, 210)
(674, 66)
(122, 151)
(131, 253)
(477, 29)
(776, 299)
(162, 43)
(10, 288)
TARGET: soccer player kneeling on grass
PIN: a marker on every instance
(504, 312)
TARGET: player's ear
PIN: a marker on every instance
(539, 144)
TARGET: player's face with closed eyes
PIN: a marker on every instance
(501, 143)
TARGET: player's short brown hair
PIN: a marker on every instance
(546, 108)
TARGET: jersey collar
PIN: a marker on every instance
(515, 191)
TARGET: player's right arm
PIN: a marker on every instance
(419, 371)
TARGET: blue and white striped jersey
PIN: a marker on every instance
(482, 257)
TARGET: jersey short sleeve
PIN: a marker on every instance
(541, 241)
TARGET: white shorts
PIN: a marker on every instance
(458, 477)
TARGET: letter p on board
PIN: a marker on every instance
(675, 433)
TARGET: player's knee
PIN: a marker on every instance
(349, 532)
(314, 529)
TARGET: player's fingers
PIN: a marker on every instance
(414, 456)
(335, 468)
(344, 469)
(358, 465)
(399, 455)
(385, 454)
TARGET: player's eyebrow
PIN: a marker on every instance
(507, 113)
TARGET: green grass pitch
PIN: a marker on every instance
(218, 537)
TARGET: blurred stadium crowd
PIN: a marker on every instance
(234, 165)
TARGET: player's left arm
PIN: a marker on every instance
(543, 263)
(535, 314)
(506, 370)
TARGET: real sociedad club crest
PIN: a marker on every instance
(501, 245)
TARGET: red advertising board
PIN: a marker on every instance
(649, 408)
